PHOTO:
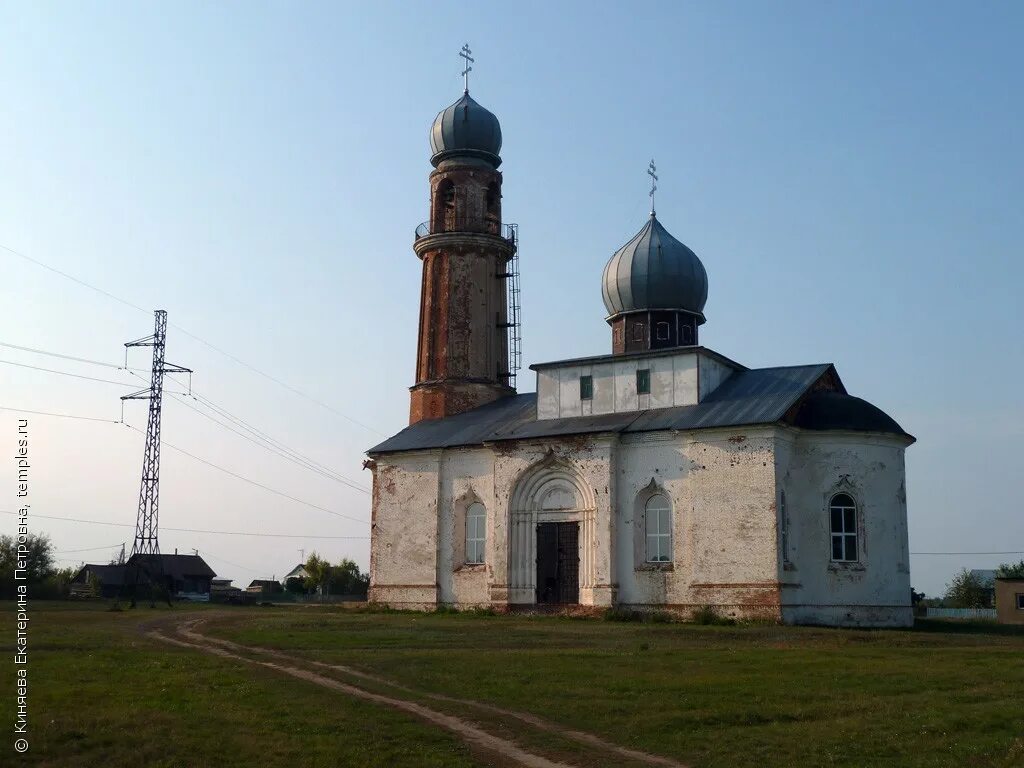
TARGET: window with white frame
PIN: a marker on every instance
(658, 525)
(1020, 601)
(476, 530)
(784, 527)
(843, 519)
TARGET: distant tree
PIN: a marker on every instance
(56, 586)
(319, 571)
(95, 584)
(966, 590)
(38, 557)
(347, 579)
(916, 597)
(1010, 571)
(295, 585)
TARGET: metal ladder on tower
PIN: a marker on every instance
(514, 317)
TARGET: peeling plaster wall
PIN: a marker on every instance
(466, 476)
(404, 547)
(724, 486)
(721, 486)
(870, 468)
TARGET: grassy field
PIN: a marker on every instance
(940, 695)
(103, 694)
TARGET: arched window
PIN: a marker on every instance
(685, 335)
(445, 207)
(658, 525)
(476, 530)
(662, 331)
(843, 519)
(491, 199)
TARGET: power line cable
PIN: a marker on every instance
(89, 549)
(250, 428)
(69, 357)
(269, 445)
(59, 415)
(199, 339)
(257, 484)
(191, 530)
(66, 373)
(74, 279)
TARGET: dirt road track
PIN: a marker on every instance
(184, 634)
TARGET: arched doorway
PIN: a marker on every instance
(552, 542)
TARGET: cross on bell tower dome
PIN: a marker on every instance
(462, 358)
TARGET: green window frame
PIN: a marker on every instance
(643, 381)
(586, 387)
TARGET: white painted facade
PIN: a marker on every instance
(682, 376)
(725, 487)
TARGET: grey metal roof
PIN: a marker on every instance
(654, 271)
(760, 396)
(465, 128)
(836, 410)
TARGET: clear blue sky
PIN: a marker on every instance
(850, 175)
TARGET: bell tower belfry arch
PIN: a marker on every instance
(462, 358)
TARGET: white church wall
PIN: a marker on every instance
(676, 379)
(467, 476)
(712, 373)
(721, 485)
(589, 460)
(404, 544)
(870, 468)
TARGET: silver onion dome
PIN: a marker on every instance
(654, 271)
(465, 130)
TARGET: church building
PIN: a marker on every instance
(662, 476)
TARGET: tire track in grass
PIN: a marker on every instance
(465, 730)
(188, 629)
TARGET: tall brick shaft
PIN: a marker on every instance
(462, 358)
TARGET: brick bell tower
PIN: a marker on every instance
(462, 358)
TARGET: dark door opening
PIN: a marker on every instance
(558, 563)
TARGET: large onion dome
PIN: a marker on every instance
(654, 271)
(466, 130)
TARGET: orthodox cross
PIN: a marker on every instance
(654, 185)
(465, 53)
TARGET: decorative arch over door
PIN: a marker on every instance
(550, 491)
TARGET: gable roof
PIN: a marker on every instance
(986, 576)
(746, 398)
(109, 575)
(178, 566)
(296, 572)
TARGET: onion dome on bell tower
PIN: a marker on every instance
(654, 289)
(466, 352)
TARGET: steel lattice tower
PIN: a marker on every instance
(146, 526)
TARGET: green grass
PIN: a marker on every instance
(941, 695)
(103, 694)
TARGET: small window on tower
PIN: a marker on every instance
(638, 332)
(643, 381)
(662, 329)
(686, 335)
(586, 387)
